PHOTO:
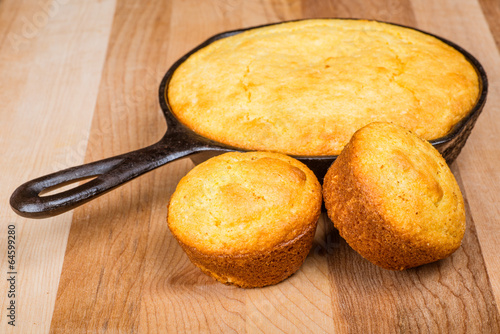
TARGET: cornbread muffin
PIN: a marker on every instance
(393, 198)
(304, 87)
(246, 218)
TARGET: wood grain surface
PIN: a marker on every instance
(79, 83)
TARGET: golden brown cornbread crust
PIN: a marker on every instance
(395, 227)
(246, 218)
(303, 88)
(256, 269)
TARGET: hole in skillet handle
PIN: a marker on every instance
(179, 142)
(65, 187)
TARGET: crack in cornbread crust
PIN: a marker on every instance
(305, 87)
(246, 218)
(393, 199)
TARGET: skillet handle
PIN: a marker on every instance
(110, 173)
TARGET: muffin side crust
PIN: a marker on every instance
(393, 198)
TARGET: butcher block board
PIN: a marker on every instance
(79, 83)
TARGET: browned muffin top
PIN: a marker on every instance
(238, 203)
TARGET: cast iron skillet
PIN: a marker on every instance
(178, 142)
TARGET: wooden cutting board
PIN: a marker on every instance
(79, 83)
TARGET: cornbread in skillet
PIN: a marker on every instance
(246, 218)
(393, 198)
(304, 87)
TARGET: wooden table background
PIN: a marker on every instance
(79, 83)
